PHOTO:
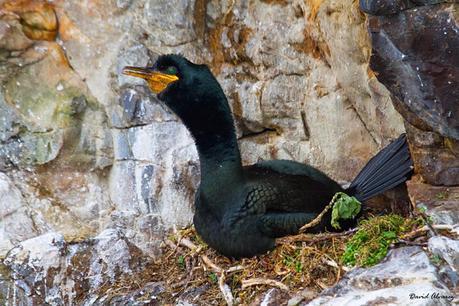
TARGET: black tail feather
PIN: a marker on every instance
(389, 168)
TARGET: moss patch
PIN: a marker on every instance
(371, 242)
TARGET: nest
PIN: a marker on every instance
(308, 263)
(191, 271)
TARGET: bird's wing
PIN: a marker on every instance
(299, 187)
(282, 224)
(257, 199)
(290, 167)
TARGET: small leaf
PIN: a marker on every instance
(345, 207)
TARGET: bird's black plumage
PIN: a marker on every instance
(241, 210)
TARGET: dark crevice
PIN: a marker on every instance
(351, 106)
(251, 134)
(307, 134)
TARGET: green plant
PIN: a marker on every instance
(435, 259)
(344, 207)
(371, 242)
(181, 262)
(213, 277)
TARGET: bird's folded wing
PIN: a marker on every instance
(281, 224)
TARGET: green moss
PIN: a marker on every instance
(371, 242)
(435, 259)
(441, 196)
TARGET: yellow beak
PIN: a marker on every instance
(157, 81)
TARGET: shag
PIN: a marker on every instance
(240, 210)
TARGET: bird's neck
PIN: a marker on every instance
(214, 134)
(220, 160)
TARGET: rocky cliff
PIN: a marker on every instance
(94, 169)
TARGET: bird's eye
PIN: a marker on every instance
(171, 70)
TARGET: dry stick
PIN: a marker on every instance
(313, 237)
(263, 281)
(224, 288)
(319, 217)
(187, 243)
(211, 265)
(420, 231)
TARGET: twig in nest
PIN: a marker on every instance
(263, 281)
(407, 242)
(319, 217)
(170, 244)
(187, 243)
(211, 265)
(225, 290)
(235, 269)
(321, 285)
(422, 230)
(313, 237)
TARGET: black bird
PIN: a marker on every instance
(241, 210)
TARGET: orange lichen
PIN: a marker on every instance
(216, 48)
(38, 19)
(314, 6)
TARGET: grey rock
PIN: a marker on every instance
(446, 248)
(9, 121)
(35, 264)
(423, 80)
(272, 297)
(123, 4)
(48, 270)
(405, 277)
(15, 216)
(136, 55)
(173, 20)
(394, 6)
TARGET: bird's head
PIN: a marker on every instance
(190, 90)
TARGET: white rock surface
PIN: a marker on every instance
(405, 277)
(16, 223)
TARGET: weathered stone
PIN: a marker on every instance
(147, 295)
(439, 202)
(435, 157)
(405, 277)
(272, 297)
(46, 269)
(446, 248)
(423, 79)
(415, 56)
(37, 18)
(54, 110)
(305, 295)
(11, 36)
(389, 7)
(385, 7)
(16, 223)
(35, 264)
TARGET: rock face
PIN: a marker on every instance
(398, 280)
(46, 269)
(416, 56)
(95, 169)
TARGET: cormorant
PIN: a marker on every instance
(240, 210)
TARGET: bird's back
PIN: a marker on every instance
(301, 188)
